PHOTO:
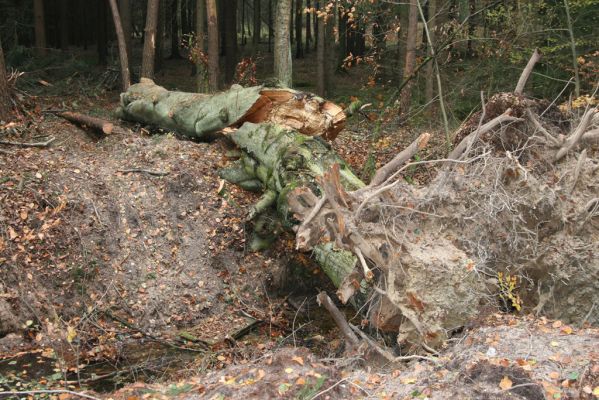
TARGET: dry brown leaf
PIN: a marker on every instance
(298, 360)
(505, 383)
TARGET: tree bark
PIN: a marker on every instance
(321, 85)
(308, 28)
(230, 20)
(410, 63)
(149, 51)
(201, 76)
(429, 91)
(299, 53)
(282, 54)
(5, 102)
(402, 38)
(40, 27)
(161, 28)
(257, 25)
(120, 35)
(175, 29)
(125, 13)
(213, 48)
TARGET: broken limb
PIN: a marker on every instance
(98, 124)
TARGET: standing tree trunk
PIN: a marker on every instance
(40, 27)
(213, 53)
(315, 23)
(308, 28)
(64, 24)
(161, 28)
(291, 31)
(147, 62)
(320, 56)
(102, 32)
(429, 91)
(120, 36)
(257, 25)
(175, 29)
(271, 32)
(125, 13)
(5, 104)
(282, 56)
(402, 39)
(298, 29)
(406, 95)
(202, 82)
(230, 20)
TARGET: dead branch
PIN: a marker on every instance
(25, 144)
(555, 141)
(575, 137)
(536, 56)
(489, 126)
(590, 136)
(144, 171)
(8, 153)
(388, 169)
(324, 299)
(98, 124)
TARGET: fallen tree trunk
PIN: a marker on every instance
(98, 124)
(201, 116)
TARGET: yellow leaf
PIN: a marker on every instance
(567, 330)
(71, 334)
(596, 391)
(407, 381)
(288, 370)
(298, 360)
(505, 383)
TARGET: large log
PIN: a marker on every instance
(200, 115)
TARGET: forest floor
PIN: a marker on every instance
(111, 278)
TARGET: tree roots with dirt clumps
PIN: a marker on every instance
(510, 221)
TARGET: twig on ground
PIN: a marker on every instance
(144, 171)
(325, 300)
(385, 171)
(317, 395)
(5, 152)
(29, 144)
(368, 275)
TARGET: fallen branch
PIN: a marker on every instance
(32, 144)
(324, 299)
(8, 153)
(590, 136)
(388, 169)
(581, 159)
(58, 391)
(106, 127)
(555, 141)
(536, 56)
(144, 171)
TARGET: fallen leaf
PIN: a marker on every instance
(261, 374)
(300, 381)
(407, 381)
(288, 370)
(505, 383)
(298, 360)
(566, 330)
(71, 334)
(554, 375)
(557, 324)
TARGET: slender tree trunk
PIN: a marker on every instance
(406, 94)
(161, 29)
(64, 24)
(230, 40)
(242, 21)
(282, 56)
(40, 27)
(5, 103)
(175, 29)
(257, 25)
(125, 13)
(403, 38)
(149, 52)
(299, 53)
(271, 32)
(429, 91)
(213, 50)
(320, 56)
(342, 48)
(202, 82)
(330, 62)
(102, 34)
(291, 30)
(573, 49)
(120, 36)
(316, 24)
(308, 28)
